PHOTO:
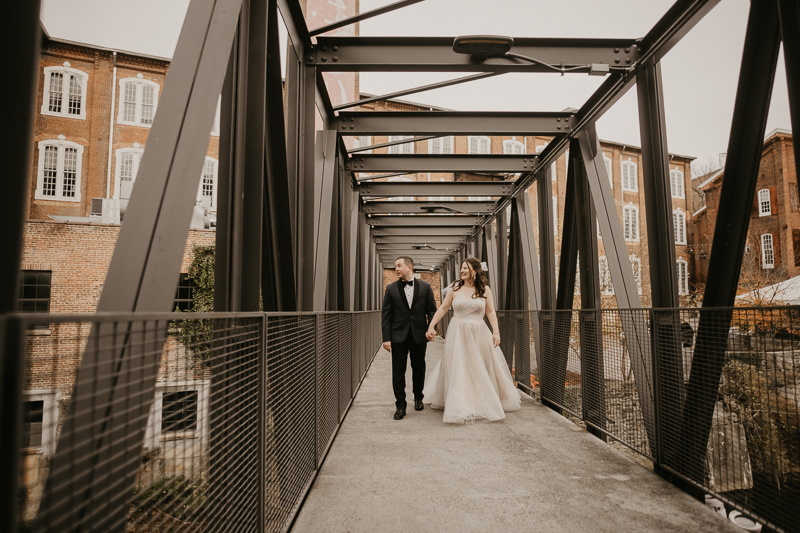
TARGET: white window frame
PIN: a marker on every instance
(442, 141)
(676, 183)
(67, 71)
(154, 438)
(636, 267)
(555, 215)
(49, 397)
(139, 82)
(679, 226)
(609, 170)
(682, 273)
(509, 145)
(633, 235)
(626, 185)
(764, 203)
(62, 145)
(213, 207)
(407, 148)
(118, 166)
(606, 286)
(215, 125)
(767, 251)
(480, 139)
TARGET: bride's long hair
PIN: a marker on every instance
(479, 280)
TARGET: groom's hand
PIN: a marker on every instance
(387, 346)
(430, 335)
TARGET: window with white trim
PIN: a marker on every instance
(179, 412)
(207, 192)
(607, 161)
(39, 420)
(629, 176)
(479, 145)
(441, 145)
(676, 183)
(64, 93)
(682, 272)
(767, 251)
(511, 146)
(679, 226)
(606, 287)
(630, 222)
(555, 215)
(636, 266)
(764, 203)
(127, 167)
(138, 101)
(407, 148)
(215, 125)
(59, 170)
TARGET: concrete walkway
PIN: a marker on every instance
(533, 471)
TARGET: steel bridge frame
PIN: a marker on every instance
(295, 222)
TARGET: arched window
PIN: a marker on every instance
(406, 148)
(605, 277)
(59, 171)
(138, 101)
(636, 266)
(64, 93)
(207, 192)
(764, 203)
(441, 145)
(682, 272)
(513, 147)
(607, 161)
(127, 167)
(630, 222)
(629, 176)
(767, 251)
(679, 226)
(480, 145)
(676, 182)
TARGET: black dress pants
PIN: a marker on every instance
(400, 354)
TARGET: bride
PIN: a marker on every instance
(472, 379)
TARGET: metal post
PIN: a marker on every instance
(789, 11)
(323, 206)
(502, 260)
(759, 59)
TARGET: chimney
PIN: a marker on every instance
(722, 158)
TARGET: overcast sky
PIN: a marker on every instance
(700, 73)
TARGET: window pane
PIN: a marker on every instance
(35, 291)
(32, 421)
(74, 95)
(129, 102)
(179, 411)
(70, 173)
(447, 145)
(208, 182)
(50, 171)
(56, 88)
(148, 103)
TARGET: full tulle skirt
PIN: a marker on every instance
(471, 380)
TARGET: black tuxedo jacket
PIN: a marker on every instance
(397, 318)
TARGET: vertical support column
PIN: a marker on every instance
(666, 345)
(547, 247)
(324, 204)
(529, 262)
(490, 252)
(502, 260)
(759, 59)
(350, 247)
(306, 203)
(789, 11)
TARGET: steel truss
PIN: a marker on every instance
(297, 232)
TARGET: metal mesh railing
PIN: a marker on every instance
(182, 422)
(709, 396)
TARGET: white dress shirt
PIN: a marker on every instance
(409, 290)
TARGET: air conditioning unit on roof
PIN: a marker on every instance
(107, 210)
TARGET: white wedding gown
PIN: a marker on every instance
(472, 379)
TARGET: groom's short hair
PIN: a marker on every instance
(407, 260)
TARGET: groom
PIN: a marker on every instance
(408, 307)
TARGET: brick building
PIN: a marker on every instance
(773, 239)
(623, 163)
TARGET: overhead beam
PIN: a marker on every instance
(433, 240)
(440, 163)
(472, 208)
(442, 188)
(454, 123)
(424, 220)
(421, 231)
(435, 54)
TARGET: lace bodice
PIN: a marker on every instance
(467, 308)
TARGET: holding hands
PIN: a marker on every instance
(430, 334)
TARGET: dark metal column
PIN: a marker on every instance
(530, 270)
(666, 345)
(306, 207)
(324, 181)
(789, 11)
(502, 259)
(759, 59)
(490, 252)
(547, 246)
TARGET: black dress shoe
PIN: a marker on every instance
(399, 414)
(418, 405)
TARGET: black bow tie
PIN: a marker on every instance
(404, 283)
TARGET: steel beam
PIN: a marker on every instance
(454, 123)
(506, 163)
(547, 250)
(502, 258)
(421, 231)
(435, 54)
(529, 263)
(759, 59)
(490, 256)
(324, 205)
(425, 220)
(434, 240)
(471, 208)
(789, 11)
(425, 188)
